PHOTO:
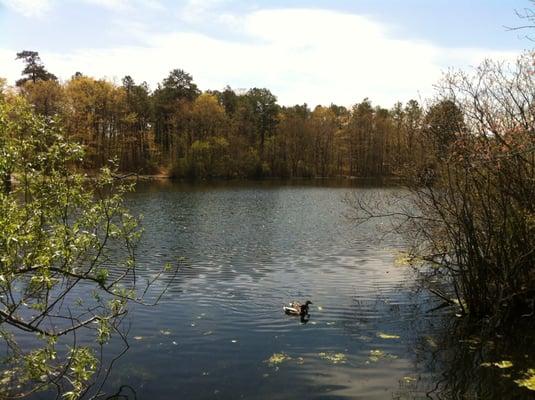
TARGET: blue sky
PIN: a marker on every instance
(304, 51)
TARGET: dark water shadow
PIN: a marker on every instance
(463, 360)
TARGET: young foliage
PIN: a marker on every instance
(63, 236)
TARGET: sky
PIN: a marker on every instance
(314, 52)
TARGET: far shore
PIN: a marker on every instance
(162, 177)
(342, 180)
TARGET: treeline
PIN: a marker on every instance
(179, 130)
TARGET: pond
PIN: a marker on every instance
(245, 250)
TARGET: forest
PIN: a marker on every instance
(179, 131)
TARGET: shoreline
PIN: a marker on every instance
(164, 177)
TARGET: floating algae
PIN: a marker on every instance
(431, 342)
(377, 355)
(528, 381)
(500, 364)
(335, 358)
(503, 364)
(403, 259)
(277, 358)
(383, 335)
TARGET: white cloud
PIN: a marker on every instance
(38, 8)
(302, 55)
(28, 8)
(9, 69)
(198, 10)
(111, 4)
(126, 5)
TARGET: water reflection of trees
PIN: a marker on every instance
(452, 357)
(464, 362)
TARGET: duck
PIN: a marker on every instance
(296, 308)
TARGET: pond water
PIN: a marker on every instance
(248, 249)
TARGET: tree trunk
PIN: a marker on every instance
(6, 182)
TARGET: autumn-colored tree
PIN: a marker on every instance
(46, 96)
(223, 134)
(135, 144)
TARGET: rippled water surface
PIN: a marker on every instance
(249, 249)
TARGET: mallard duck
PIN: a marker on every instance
(296, 308)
